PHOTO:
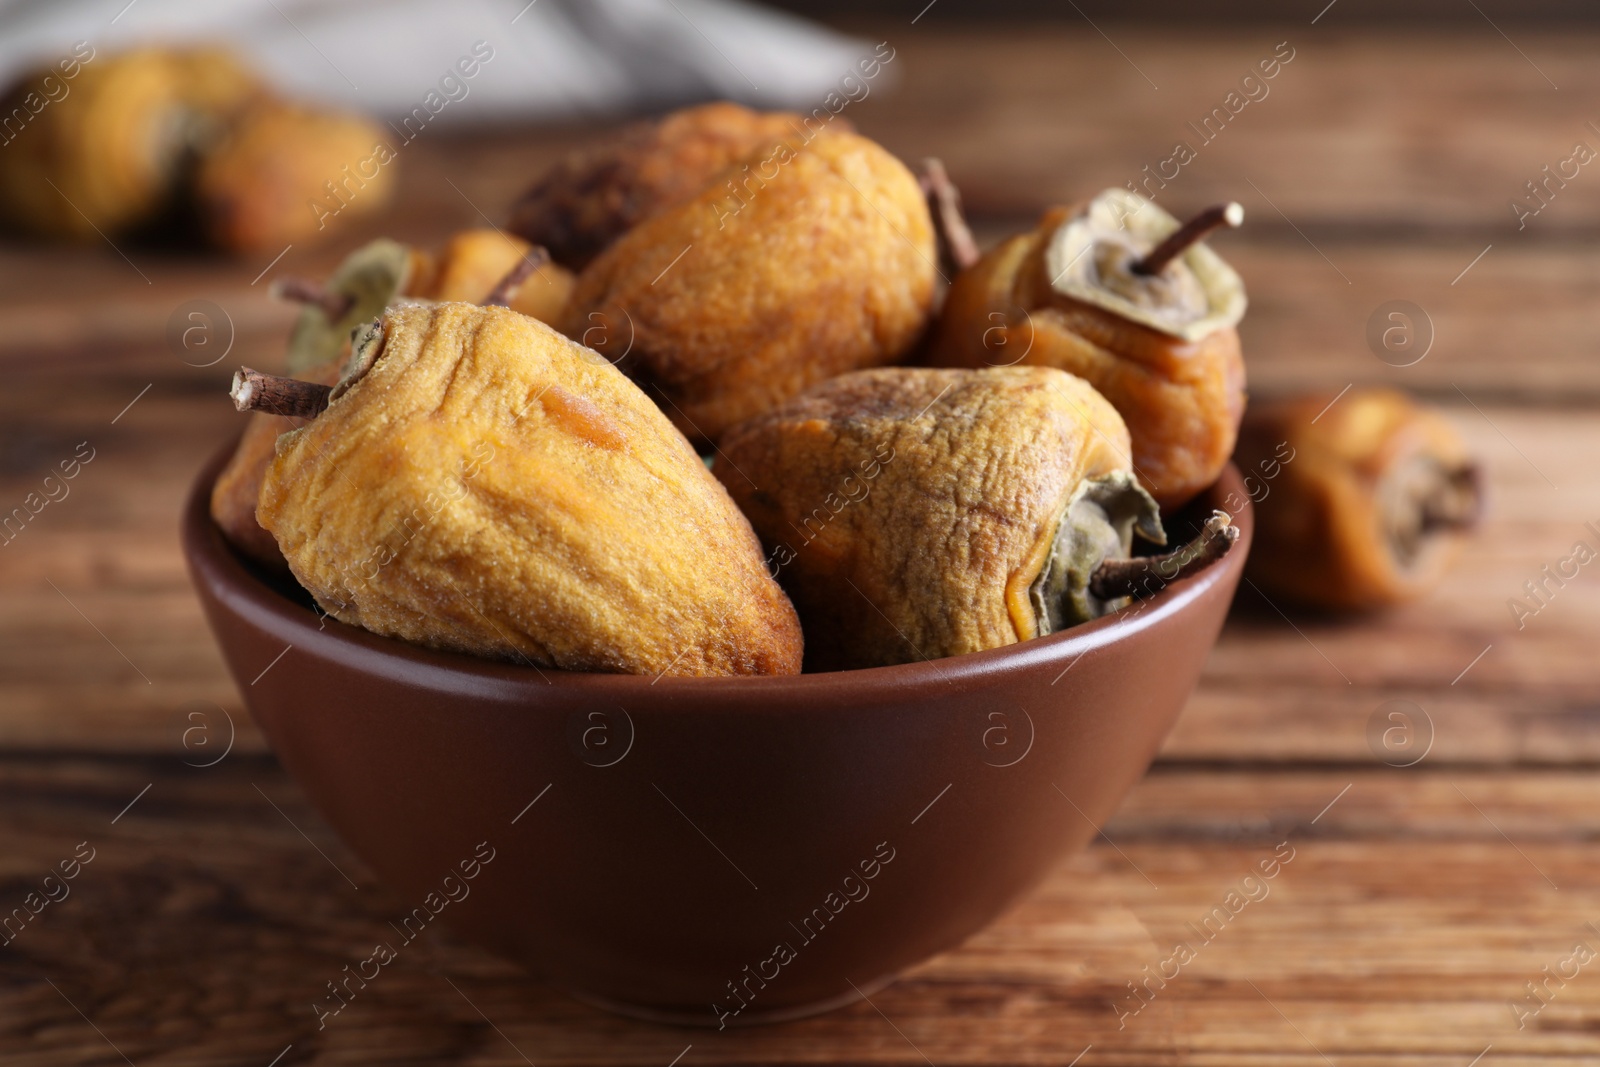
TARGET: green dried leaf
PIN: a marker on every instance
(374, 276)
(1098, 524)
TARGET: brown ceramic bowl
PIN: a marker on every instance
(675, 848)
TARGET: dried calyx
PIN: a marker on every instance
(369, 280)
(1422, 497)
(1090, 571)
(958, 250)
(254, 390)
(1141, 576)
(1123, 254)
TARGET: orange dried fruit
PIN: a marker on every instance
(369, 280)
(916, 513)
(1362, 500)
(726, 305)
(479, 483)
(1161, 345)
(112, 145)
(473, 262)
(596, 195)
(284, 173)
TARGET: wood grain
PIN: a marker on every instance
(98, 602)
(1147, 13)
(1361, 133)
(1397, 931)
(1416, 906)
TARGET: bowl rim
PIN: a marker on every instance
(214, 563)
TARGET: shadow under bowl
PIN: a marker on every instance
(712, 851)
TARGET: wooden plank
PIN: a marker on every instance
(1270, 691)
(1379, 199)
(1396, 932)
(1307, 689)
(1515, 328)
(1419, 901)
(1120, 15)
(1361, 130)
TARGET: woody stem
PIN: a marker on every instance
(332, 304)
(1457, 502)
(254, 391)
(956, 244)
(1143, 576)
(506, 287)
(1190, 233)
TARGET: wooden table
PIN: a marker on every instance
(1420, 900)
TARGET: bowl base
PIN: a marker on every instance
(707, 1019)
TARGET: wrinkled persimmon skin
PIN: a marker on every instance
(1182, 401)
(490, 487)
(264, 185)
(468, 268)
(102, 157)
(723, 307)
(238, 486)
(909, 511)
(1320, 536)
(596, 195)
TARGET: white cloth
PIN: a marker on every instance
(550, 58)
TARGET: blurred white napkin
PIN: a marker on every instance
(548, 58)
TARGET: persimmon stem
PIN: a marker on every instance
(333, 305)
(956, 245)
(1213, 218)
(506, 287)
(255, 391)
(1457, 503)
(1142, 576)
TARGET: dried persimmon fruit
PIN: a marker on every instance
(1118, 293)
(283, 173)
(918, 513)
(474, 262)
(478, 266)
(597, 194)
(181, 140)
(726, 305)
(107, 148)
(237, 489)
(1362, 499)
(479, 483)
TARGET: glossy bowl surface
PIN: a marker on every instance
(710, 851)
